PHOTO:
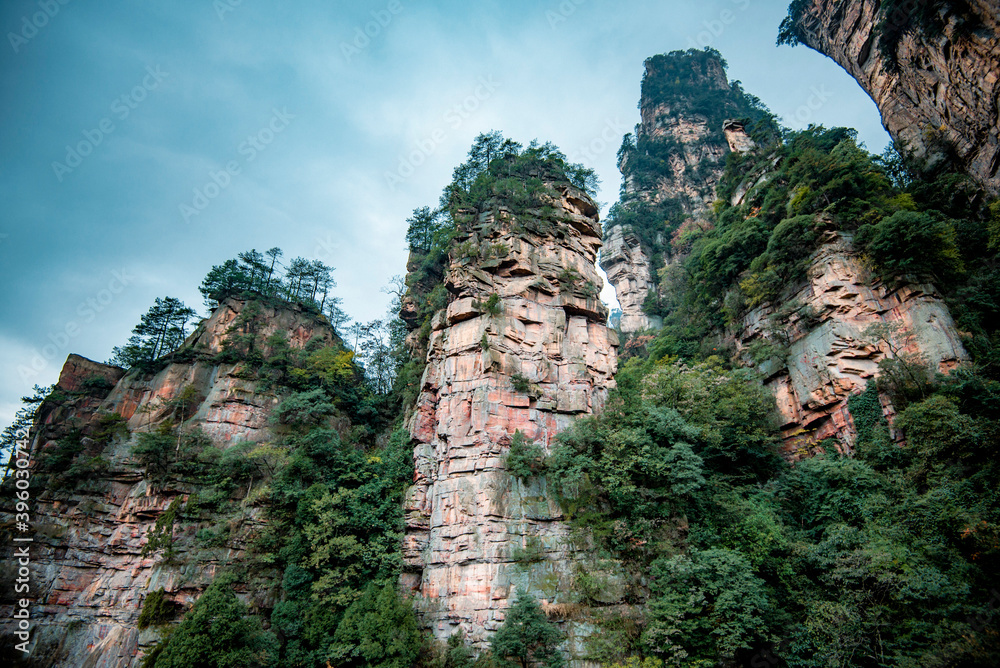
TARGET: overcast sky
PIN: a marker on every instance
(143, 142)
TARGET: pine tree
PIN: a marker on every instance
(161, 330)
(526, 636)
(217, 633)
(379, 630)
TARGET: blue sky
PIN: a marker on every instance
(144, 142)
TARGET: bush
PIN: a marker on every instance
(521, 383)
(217, 633)
(157, 609)
(525, 458)
(96, 384)
(907, 242)
(303, 409)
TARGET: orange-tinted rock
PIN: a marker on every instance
(89, 578)
(828, 357)
(539, 359)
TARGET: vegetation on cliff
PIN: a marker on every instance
(888, 557)
(690, 86)
(498, 174)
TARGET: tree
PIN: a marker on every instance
(217, 633)
(19, 429)
(338, 317)
(299, 271)
(379, 630)
(253, 263)
(706, 604)
(526, 636)
(222, 281)
(421, 227)
(274, 254)
(161, 330)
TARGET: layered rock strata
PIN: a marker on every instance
(522, 346)
(943, 100)
(628, 268)
(89, 577)
(696, 162)
(822, 353)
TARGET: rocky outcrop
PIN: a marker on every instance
(89, 577)
(941, 102)
(819, 353)
(628, 270)
(695, 146)
(736, 136)
(522, 346)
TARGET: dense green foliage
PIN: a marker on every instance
(883, 559)
(157, 609)
(379, 629)
(819, 182)
(691, 85)
(886, 558)
(216, 633)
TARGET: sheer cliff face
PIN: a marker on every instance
(695, 147)
(90, 578)
(522, 347)
(944, 97)
(823, 354)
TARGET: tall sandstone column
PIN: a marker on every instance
(522, 346)
(677, 154)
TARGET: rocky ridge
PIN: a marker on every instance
(91, 577)
(697, 151)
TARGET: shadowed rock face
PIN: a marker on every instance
(825, 356)
(539, 359)
(88, 574)
(944, 97)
